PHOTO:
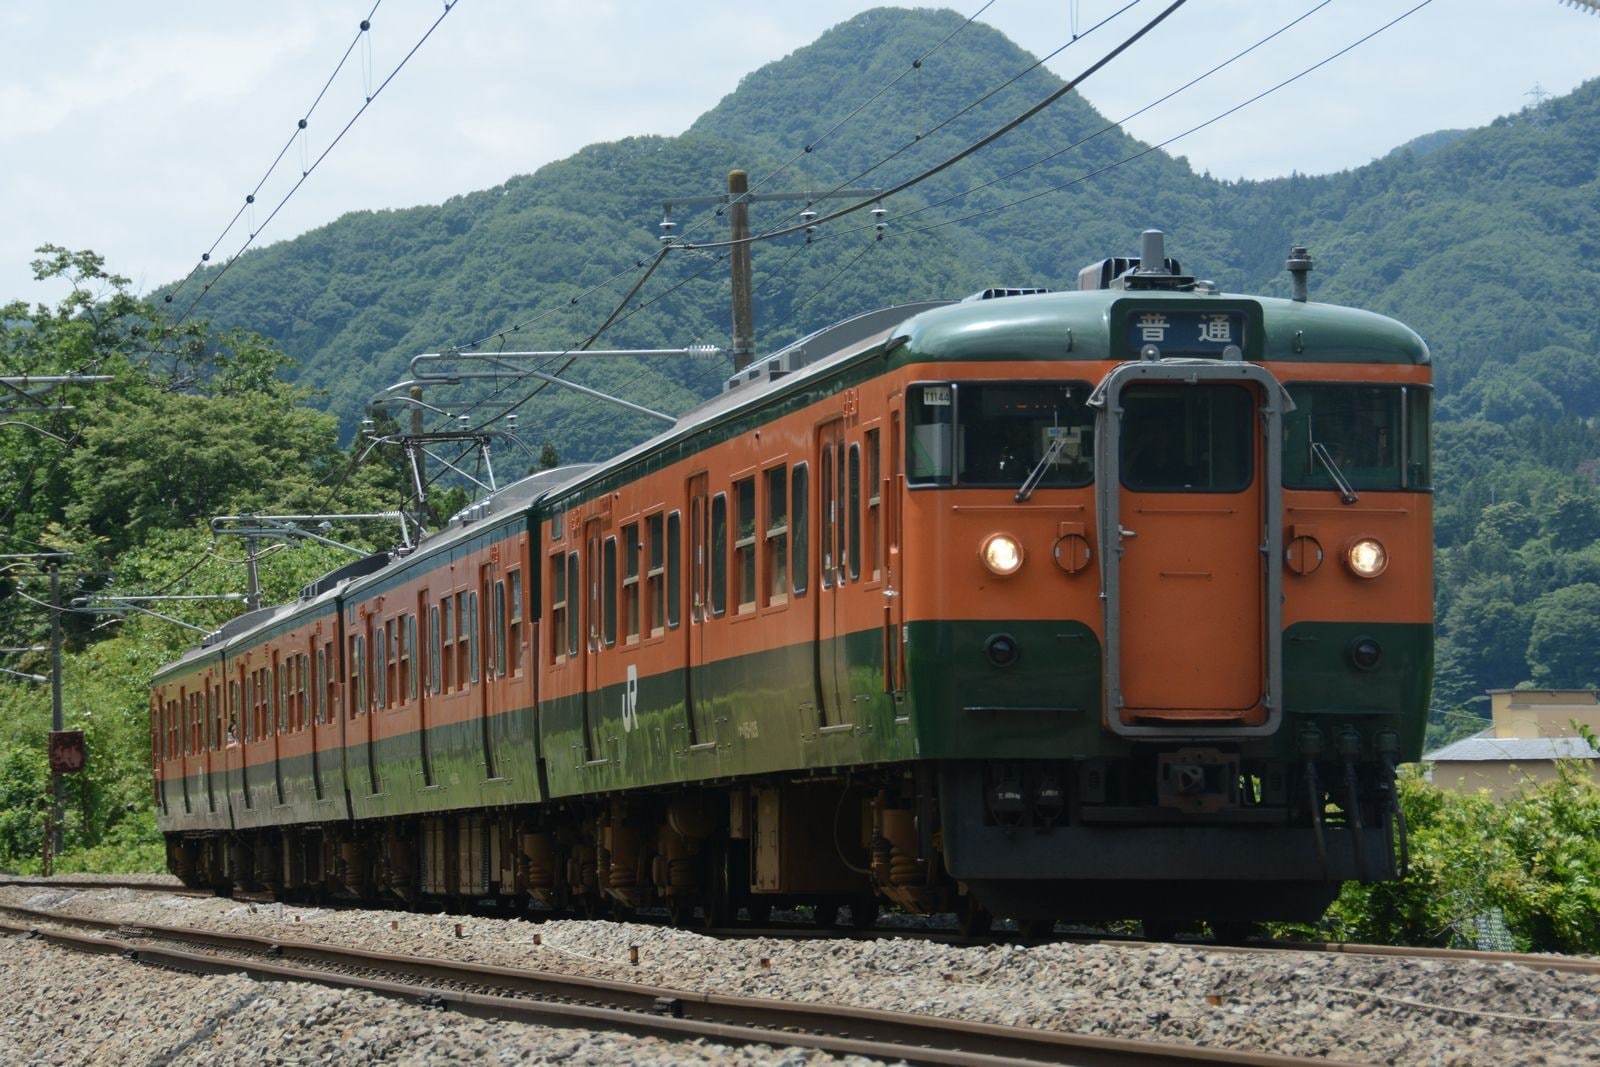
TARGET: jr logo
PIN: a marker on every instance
(630, 700)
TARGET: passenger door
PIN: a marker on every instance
(833, 513)
(1186, 485)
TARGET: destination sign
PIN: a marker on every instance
(1185, 331)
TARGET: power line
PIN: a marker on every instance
(1109, 126)
(976, 146)
(299, 134)
(307, 172)
(1170, 140)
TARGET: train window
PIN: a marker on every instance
(874, 519)
(655, 574)
(380, 656)
(396, 671)
(558, 607)
(799, 516)
(233, 711)
(744, 544)
(1374, 436)
(358, 676)
(514, 622)
(469, 630)
(416, 653)
(319, 686)
(274, 702)
(997, 433)
(852, 514)
(630, 581)
(719, 554)
(674, 566)
(574, 629)
(300, 698)
(609, 593)
(402, 675)
(777, 535)
(828, 517)
(447, 652)
(433, 649)
(330, 699)
(498, 619)
(1182, 439)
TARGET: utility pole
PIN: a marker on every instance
(738, 200)
(51, 560)
(57, 721)
(744, 341)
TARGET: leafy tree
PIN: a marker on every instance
(1561, 645)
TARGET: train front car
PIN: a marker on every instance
(1167, 598)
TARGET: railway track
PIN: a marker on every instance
(1536, 961)
(553, 999)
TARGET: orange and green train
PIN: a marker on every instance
(1112, 603)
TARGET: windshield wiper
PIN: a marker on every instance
(1035, 476)
(1347, 493)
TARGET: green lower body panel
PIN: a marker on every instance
(1042, 702)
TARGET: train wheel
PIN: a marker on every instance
(717, 903)
(972, 920)
(1032, 928)
(760, 912)
(680, 911)
(864, 913)
(826, 915)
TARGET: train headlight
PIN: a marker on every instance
(1367, 558)
(1001, 553)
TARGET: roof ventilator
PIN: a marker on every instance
(996, 292)
(1120, 272)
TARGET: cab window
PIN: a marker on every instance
(995, 434)
(1375, 436)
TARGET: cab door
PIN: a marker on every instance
(1188, 479)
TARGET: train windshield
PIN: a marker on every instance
(1183, 439)
(993, 434)
(1375, 436)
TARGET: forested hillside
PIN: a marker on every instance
(1484, 240)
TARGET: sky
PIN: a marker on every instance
(137, 130)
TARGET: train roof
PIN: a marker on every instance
(508, 503)
(1085, 325)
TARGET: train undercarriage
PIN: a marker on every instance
(1034, 841)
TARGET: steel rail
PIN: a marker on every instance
(553, 999)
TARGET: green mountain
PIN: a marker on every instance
(1480, 239)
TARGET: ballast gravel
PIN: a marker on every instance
(67, 1008)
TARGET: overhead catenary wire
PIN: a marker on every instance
(976, 146)
(1170, 140)
(1191, 83)
(298, 135)
(916, 64)
(772, 234)
(1186, 86)
(449, 6)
